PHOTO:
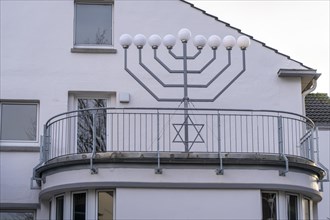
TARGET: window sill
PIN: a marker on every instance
(93, 50)
(19, 149)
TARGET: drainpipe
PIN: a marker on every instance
(305, 93)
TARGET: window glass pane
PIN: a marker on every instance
(85, 125)
(105, 205)
(16, 215)
(50, 210)
(79, 206)
(59, 207)
(93, 24)
(306, 209)
(292, 206)
(18, 122)
(269, 206)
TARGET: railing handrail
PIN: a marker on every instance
(308, 120)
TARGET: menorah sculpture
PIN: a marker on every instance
(199, 42)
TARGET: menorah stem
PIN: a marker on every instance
(185, 96)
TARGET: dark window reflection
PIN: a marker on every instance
(93, 24)
(12, 215)
(292, 206)
(18, 122)
(85, 125)
(59, 208)
(79, 206)
(269, 206)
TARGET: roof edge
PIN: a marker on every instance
(298, 73)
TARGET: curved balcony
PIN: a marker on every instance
(158, 135)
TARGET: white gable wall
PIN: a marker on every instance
(36, 64)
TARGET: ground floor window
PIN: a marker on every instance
(17, 215)
(269, 206)
(306, 207)
(292, 207)
(79, 206)
(59, 207)
(105, 205)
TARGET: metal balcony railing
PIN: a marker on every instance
(161, 130)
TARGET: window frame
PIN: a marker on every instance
(86, 203)
(310, 208)
(22, 143)
(76, 46)
(97, 201)
(277, 196)
(55, 205)
(73, 97)
(297, 205)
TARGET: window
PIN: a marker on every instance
(85, 125)
(292, 207)
(18, 121)
(105, 205)
(93, 23)
(17, 215)
(79, 206)
(306, 206)
(59, 207)
(269, 206)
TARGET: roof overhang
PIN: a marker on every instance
(306, 76)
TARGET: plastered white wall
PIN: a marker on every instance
(187, 204)
(36, 64)
(15, 176)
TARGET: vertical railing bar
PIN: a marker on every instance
(129, 131)
(230, 136)
(164, 131)
(169, 132)
(224, 132)
(241, 125)
(123, 130)
(146, 133)
(252, 127)
(134, 131)
(281, 147)
(268, 131)
(158, 169)
(219, 171)
(152, 128)
(263, 133)
(258, 141)
(92, 168)
(235, 132)
(207, 133)
(247, 133)
(212, 125)
(140, 114)
(273, 130)
(296, 138)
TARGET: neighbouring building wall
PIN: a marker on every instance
(324, 140)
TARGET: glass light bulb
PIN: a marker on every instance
(184, 34)
(229, 42)
(214, 41)
(125, 40)
(169, 41)
(199, 41)
(154, 41)
(139, 40)
(243, 42)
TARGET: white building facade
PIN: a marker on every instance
(95, 129)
